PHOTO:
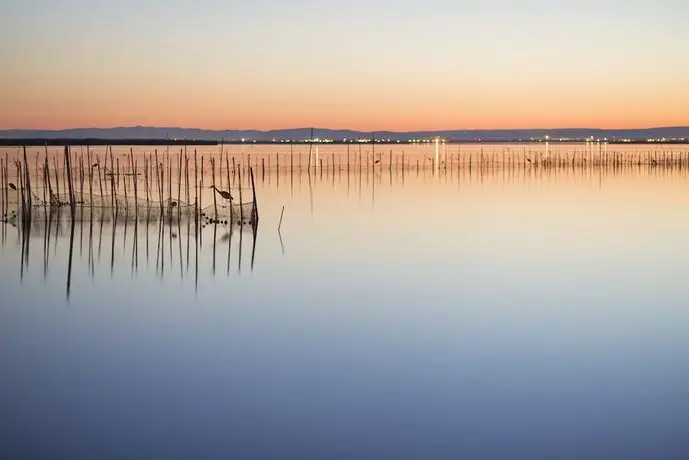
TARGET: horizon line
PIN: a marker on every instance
(340, 129)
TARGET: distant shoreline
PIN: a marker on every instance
(33, 142)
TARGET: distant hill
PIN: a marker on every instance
(301, 134)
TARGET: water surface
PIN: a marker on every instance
(523, 314)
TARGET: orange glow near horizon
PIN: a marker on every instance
(281, 65)
(71, 103)
(64, 114)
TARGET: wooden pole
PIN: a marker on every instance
(186, 177)
(5, 186)
(281, 214)
(124, 180)
(69, 180)
(45, 187)
(159, 182)
(201, 186)
(90, 166)
(241, 204)
(27, 182)
(113, 186)
(215, 201)
(169, 178)
(20, 185)
(196, 188)
(3, 191)
(81, 178)
(255, 205)
(179, 184)
(229, 188)
(112, 182)
(310, 148)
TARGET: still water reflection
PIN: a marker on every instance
(535, 314)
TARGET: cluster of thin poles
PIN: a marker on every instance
(73, 184)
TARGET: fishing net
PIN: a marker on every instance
(121, 208)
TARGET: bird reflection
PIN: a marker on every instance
(63, 241)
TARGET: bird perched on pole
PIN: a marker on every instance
(222, 193)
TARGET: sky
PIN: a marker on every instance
(368, 65)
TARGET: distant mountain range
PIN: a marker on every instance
(677, 133)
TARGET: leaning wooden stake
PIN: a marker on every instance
(281, 214)
(254, 209)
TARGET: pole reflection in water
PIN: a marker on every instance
(307, 188)
(53, 232)
(71, 255)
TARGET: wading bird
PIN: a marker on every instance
(222, 193)
(12, 186)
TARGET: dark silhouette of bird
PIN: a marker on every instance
(95, 165)
(12, 186)
(529, 160)
(222, 193)
(377, 161)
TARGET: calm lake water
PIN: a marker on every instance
(447, 314)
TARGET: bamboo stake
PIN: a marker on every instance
(112, 181)
(196, 191)
(3, 189)
(159, 183)
(20, 179)
(146, 185)
(179, 184)
(88, 160)
(69, 181)
(136, 191)
(5, 176)
(113, 185)
(169, 179)
(44, 180)
(215, 203)
(281, 214)
(81, 179)
(229, 188)
(255, 205)
(201, 186)
(27, 183)
(241, 203)
(186, 176)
